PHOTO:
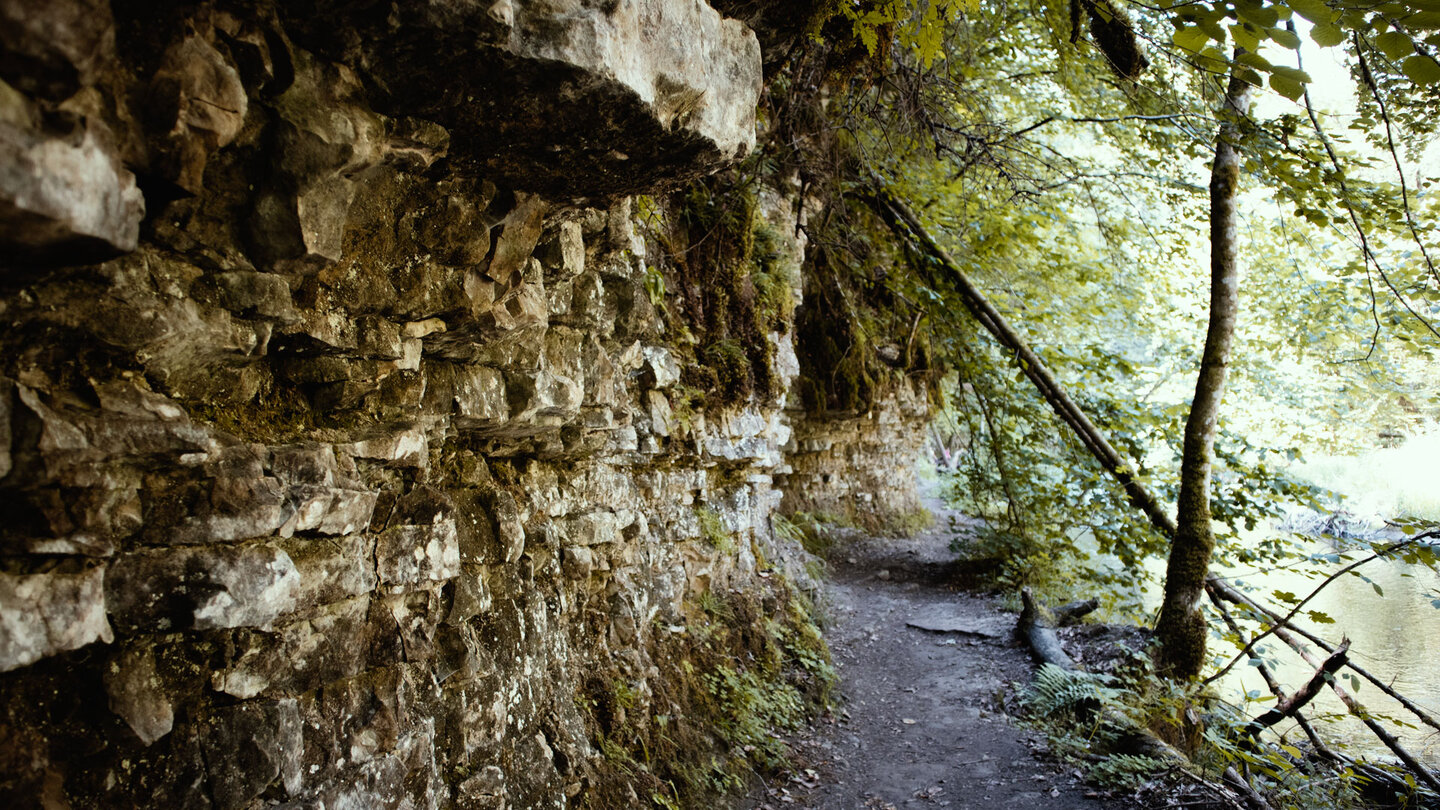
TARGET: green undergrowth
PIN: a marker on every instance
(1095, 721)
(712, 529)
(746, 668)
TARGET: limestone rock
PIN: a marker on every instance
(52, 49)
(509, 526)
(475, 395)
(302, 655)
(263, 294)
(329, 510)
(519, 232)
(326, 136)
(65, 195)
(250, 745)
(137, 693)
(653, 90)
(411, 555)
(659, 369)
(45, 614)
(198, 103)
(331, 569)
(402, 447)
(201, 588)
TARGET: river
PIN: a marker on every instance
(1395, 637)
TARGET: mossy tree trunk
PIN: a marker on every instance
(1181, 628)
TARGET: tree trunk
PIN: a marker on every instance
(1181, 628)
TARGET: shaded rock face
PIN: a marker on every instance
(355, 453)
(571, 98)
(859, 466)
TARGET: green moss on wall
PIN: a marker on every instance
(723, 263)
(855, 335)
(746, 665)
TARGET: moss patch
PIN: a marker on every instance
(723, 263)
(746, 666)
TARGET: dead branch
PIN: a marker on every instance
(1282, 632)
(1037, 627)
(1270, 682)
(1288, 707)
(1223, 590)
(1295, 610)
(1240, 785)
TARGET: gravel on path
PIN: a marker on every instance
(922, 722)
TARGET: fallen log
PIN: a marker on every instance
(1072, 612)
(1037, 627)
(909, 230)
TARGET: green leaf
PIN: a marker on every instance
(1327, 34)
(1256, 61)
(1394, 44)
(1319, 617)
(1289, 88)
(1378, 589)
(1245, 37)
(1257, 13)
(1285, 39)
(1286, 596)
(1313, 10)
(1426, 20)
(1294, 74)
(1191, 39)
(1421, 69)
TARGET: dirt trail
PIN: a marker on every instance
(923, 722)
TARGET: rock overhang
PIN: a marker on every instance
(578, 100)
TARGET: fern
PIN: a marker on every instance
(1124, 771)
(1058, 692)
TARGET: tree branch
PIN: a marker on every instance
(1288, 707)
(908, 228)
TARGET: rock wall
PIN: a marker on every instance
(859, 468)
(341, 459)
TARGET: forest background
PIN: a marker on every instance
(1061, 163)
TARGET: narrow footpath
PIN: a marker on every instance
(926, 672)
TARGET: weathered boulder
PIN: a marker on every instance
(196, 587)
(198, 104)
(52, 48)
(44, 614)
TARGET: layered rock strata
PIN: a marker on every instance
(859, 468)
(340, 440)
